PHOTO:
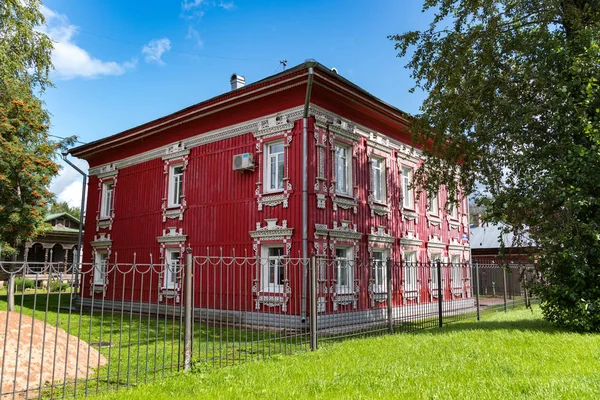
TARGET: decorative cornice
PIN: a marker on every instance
(201, 139)
(410, 240)
(101, 240)
(344, 231)
(172, 236)
(272, 231)
(380, 236)
(175, 151)
(435, 243)
(107, 171)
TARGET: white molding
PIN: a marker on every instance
(101, 240)
(216, 135)
(381, 236)
(172, 236)
(272, 231)
(344, 231)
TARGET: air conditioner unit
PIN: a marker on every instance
(243, 162)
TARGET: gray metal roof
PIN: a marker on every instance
(487, 236)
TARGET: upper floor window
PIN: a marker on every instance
(175, 185)
(453, 211)
(106, 204)
(273, 273)
(380, 270)
(345, 270)
(408, 199)
(434, 207)
(343, 170)
(100, 267)
(274, 167)
(171, 268)
(378, 173)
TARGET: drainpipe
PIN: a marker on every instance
(305, 190)
(65, 154)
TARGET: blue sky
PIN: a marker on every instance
(121, 63)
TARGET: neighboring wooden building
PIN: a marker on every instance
(301, 163)
(58, 245)
(487, 240)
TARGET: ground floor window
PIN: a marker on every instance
(456, 271)
(100, 267)
(380, 270)
(272, 265)
(410, 271)
(171, 268)
(345, 270)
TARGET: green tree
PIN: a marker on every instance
(27, 156)
(63, 206)
(513, 102)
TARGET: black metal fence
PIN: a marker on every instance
(95, 327)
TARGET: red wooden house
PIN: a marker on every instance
(300, 163)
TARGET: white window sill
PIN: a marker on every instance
(104, 218)
(346, 195)
(173, 206)
(268, 192)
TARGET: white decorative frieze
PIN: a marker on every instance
(321, 198)
(381, 236)
(175, 151)
(172, 235)
(345, 203)
(411, 239)
(272, 231)
(102, 240)
(344, 231)
(106, 171)
(273, 200)
(435, 242)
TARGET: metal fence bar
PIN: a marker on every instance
(133, 327)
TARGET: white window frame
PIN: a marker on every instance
(278, 263)
(378, 167)
(347, 190)
(107, 200)
(408, 195)
(279, 183)
(411, 274)
(433, 273)
(175, 186)
(380, 265)
(100, 263)
(454, 211)
(457, 275)
(344, 266)
(172, 268)
(434, 203)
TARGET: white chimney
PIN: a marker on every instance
(237, 81)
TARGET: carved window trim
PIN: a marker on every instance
(176, 156)
(280, 196)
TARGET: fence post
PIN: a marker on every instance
(440, 293)
(504, 284)
(188, 293)
(477, 291)
(524, 283)
(389, 296)
(313, 304)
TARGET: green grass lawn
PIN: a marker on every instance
(140, 348)
(505, 356)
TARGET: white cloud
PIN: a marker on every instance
(189, 4)
(195, 36)
(67, 184)
(71, 61)
(154, 50)
(227, 5)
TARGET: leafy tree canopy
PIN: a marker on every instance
(513, 102)
(27, 156)
(63, 206)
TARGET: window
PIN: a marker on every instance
(106, 205)
(171, 269)
(273, 273)
(407, 191)
(100, 268)
(380, 271)
(433, 272)
(274, 167)
(410, 271)
(378, 173)
(453, 211)
(434, 207)
(175, 185)
(456, 272)
(343, 170)
(345, 271)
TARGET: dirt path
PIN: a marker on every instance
(24, 373)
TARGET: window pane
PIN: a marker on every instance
(280, 171)
(276, 148)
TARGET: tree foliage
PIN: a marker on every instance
(513, 102)
(27, 156)
(63, 206)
